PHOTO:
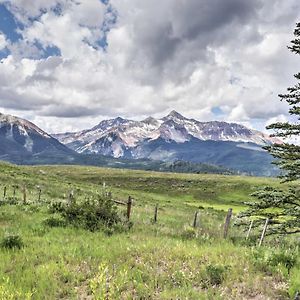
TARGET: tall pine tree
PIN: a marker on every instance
(282, 206)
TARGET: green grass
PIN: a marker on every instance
(166, 260)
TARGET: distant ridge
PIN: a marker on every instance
(22, 142)
(125, 133)
(175, 137)
(19, 137)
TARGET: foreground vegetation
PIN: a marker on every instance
(43, 256)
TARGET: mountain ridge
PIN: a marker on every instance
(175, 137)
(150, 142)
(173, 127)
(21, 137)
(22, 142)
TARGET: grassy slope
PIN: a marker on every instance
(167, 260)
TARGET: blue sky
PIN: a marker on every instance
(66, 65)
(8, 25)
(12, 28)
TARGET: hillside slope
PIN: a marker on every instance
(22, 139)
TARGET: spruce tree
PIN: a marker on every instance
(282, 205)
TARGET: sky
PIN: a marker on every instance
(68, 64)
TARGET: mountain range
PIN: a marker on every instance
(175, 137)
(126, 138)
(159, 142)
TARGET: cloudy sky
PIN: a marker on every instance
(67, 64)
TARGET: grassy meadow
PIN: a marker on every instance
(165, 260)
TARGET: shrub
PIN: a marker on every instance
(56, 207)
(285, 258)
(90, 214)
(241, 241)
(268, 261)
(54, 222)
(189, 233)
(12, 241)
(215, 274)
(122, 226)
(12, 201)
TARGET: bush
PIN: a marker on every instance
(284, 258)
(189, 233)
(90, 214)
(54, 222)
(12, 241)
(215, 274)
(56, 207)
(269, 261)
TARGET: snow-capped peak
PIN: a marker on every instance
(151, 121)
(173, 127)
(22, 137)
(23, 125)
(174, 115)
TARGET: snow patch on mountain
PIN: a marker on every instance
(20, 137)
(22, 125)
(116, 136)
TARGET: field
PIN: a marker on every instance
(165, 260)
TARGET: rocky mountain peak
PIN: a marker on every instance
(173, 127)
(118, 120)
(19, 136)
(174, 115)
(22, 125)
(150, 121)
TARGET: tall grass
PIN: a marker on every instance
(166, 260)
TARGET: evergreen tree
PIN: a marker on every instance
(288, 155)
(282, 206)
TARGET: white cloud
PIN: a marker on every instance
(3, 41)
(161, 55)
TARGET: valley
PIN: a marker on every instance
(164, 260)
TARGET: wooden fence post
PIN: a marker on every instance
(129, 203)
(4, 193)
(263, 233)
(104, 188)
(39, 196)
(14, 193)
(227, 222)
(195, 219)
(24, 195)
(155, 213)
(71, 196)
(249, 230)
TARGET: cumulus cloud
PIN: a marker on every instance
(3, 42)
(81, 61)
